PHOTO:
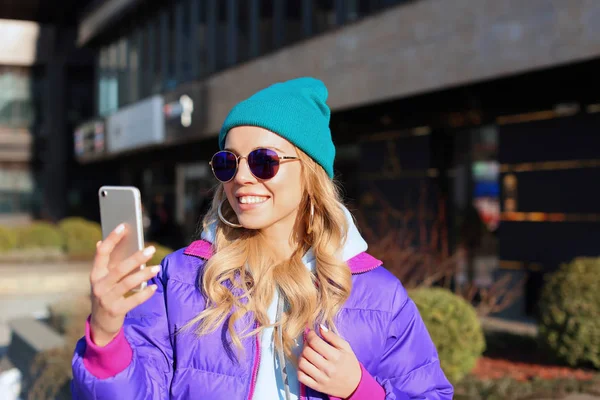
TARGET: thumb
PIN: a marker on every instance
(332, 338)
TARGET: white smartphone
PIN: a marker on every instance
(123, 205)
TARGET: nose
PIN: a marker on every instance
(243, 175)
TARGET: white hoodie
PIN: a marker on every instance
(269, 384)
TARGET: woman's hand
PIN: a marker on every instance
(329, 366)
(111, 283)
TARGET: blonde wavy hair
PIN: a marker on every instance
(240, 261)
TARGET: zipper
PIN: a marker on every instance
(255, 366)
(302, 387)
(303, 395)
(365, 263)
(362, 271)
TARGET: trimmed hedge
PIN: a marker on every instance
(8, 239)
(40, 235)
(569, 311)
(454, 328)
(80, 237)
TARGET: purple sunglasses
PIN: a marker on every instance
(263, 164)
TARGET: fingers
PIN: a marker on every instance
(310, 370)
(333, 339)
(124, 305)
(131, 282)
(109, 293)
(307, 380)
(103, 251)
(107, 283)
(314, 358)
(320, 346)
(138, 298)
(105, 247)
(129, 264)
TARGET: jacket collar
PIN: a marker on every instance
(360, 263)
(353, 251)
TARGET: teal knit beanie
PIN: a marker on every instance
(295, 110)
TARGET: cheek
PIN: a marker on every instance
(286, 190)
(228, 188)
(287, 196)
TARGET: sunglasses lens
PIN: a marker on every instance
(263, 163)
(224, 165)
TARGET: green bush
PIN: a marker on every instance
(8, 239)
(40, 235)
(473, 388)
(569, 307)
(454, 328)
(80, 237)
(161, 252)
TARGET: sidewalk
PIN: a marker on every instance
(42, 278)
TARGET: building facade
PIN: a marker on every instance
(45, 81)
(479, 118)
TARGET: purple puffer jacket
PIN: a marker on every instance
(379, 320)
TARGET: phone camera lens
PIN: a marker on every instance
(103, 193)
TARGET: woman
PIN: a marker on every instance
(277, 301)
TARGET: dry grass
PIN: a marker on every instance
(414, 246)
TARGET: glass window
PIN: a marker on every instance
(211, 12)
(242, 30)
(252, 9)
(16, 108)
(102, 81)
(171, 51)
(156, 49)
(323, 16)
(233, 23)
(221, 39)
(293, 29)
(266, 27)
(191, 38)
(122, 74)
(357, 9)
(164, 45)
(16, 189)
(134, 67)
(112, 102)
(199, 33)
(183, 28)
(144, 68)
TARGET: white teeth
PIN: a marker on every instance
(252, 199)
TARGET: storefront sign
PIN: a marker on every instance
(140, 125)
(182, 113)
(182, 110)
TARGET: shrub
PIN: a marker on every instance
(161, 252)
(569, 307)
(40, 235)
(454, 328)
(8, 239)
(80, 237)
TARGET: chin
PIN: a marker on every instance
(253, 222)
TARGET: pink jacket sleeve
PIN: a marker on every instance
(368, 388)
(107, 361)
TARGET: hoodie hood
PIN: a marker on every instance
(354, 245)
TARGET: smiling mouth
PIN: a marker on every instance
(252, 199)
